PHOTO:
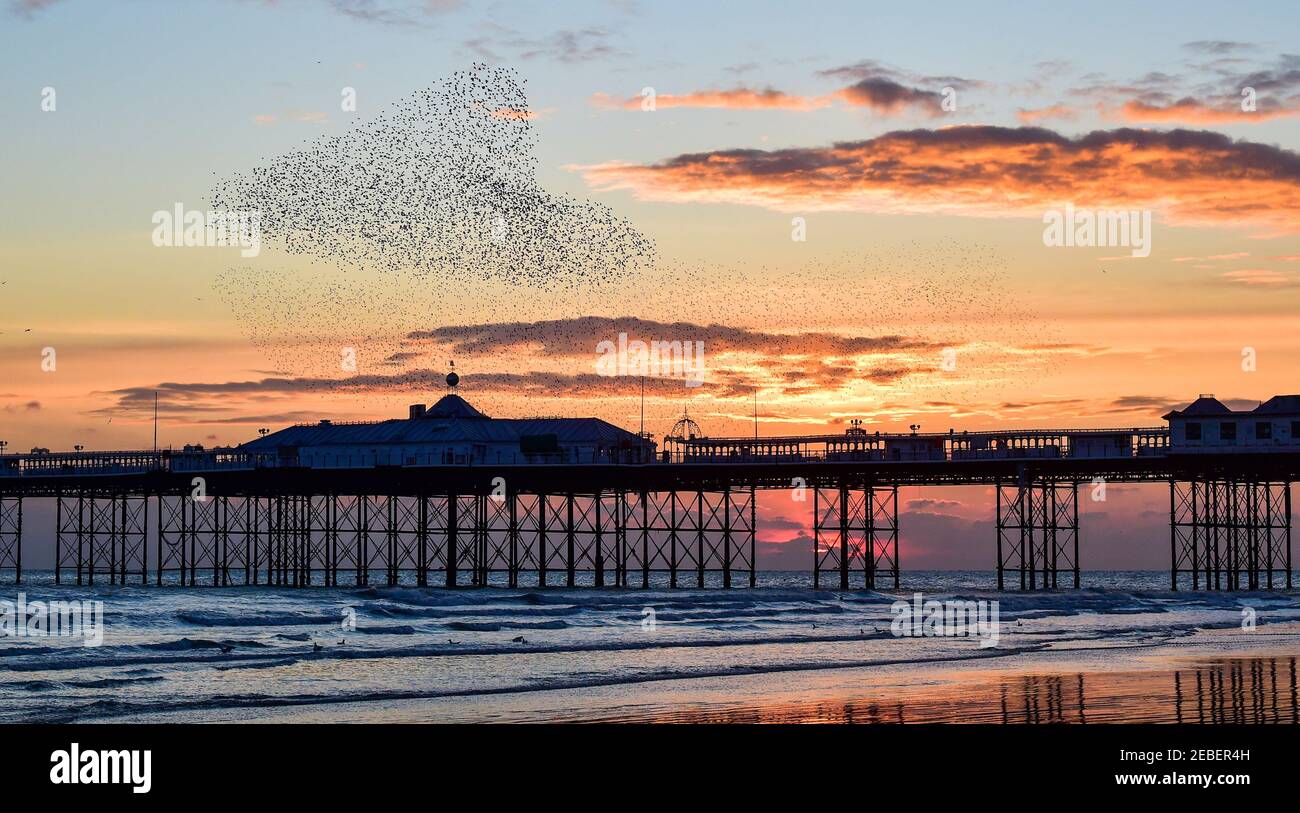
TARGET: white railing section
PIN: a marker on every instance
(1035, 444)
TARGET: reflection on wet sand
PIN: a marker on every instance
(1257, 690)
(1235, 690)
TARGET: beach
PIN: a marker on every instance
(780, 652)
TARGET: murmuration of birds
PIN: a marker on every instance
(443, 184)
(430, 215)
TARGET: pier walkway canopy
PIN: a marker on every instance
(453, 432)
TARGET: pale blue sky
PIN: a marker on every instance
(169, 91)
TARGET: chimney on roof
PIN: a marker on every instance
(417, 411)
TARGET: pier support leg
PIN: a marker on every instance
(11, 536)
(833, 550)
(435, 536)
(453, 554)
(855, 530)
(619, 512)
(468, 535)
(202, 523)
(326, 513)
(422, 544)
(1037, 526)
(528, 536)
(114, 529)
(406, 529)
(512, 569)
(739, 535)
(645, 540)
(388, 536)
(131, 538)
(700, 525)
(543, 502)
(1229, 535)
(59, 532)
(699, 539)
(390, 542)
(882, 535)
(753, 527)
(652, 530)
(726, 538)
(172, 538)
(610, 540)
(673, 513)
(569, 541)
(343, 517)
(495, 550)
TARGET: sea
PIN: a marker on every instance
(779, 651)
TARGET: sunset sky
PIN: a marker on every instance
(924, 224)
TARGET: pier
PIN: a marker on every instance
(611, 516)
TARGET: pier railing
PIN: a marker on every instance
(1025, 445)
(112, 463)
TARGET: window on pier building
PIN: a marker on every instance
(1192, 431)
(1264, 430)
(1295, 430)
(1228, 430)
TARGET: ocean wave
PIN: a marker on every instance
(97, 658)
(271, 663)
(492, 626)
(115, 708)
(403, 611)
(776, 615)
(287, 619)
(34, 685)
(184, 644)
(22, 651)
(110, 683)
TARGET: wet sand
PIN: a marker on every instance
(1245, 689)
(1229, 690)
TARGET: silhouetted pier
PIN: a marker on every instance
(226, 516)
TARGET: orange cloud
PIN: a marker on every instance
(882, 95)
(886, 96)
(1255, 277)
(1193, 111)
(304, 116)
(1056, 111)
(521, 114)
(1193, 177)
(736, 99)
(1236, 255)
